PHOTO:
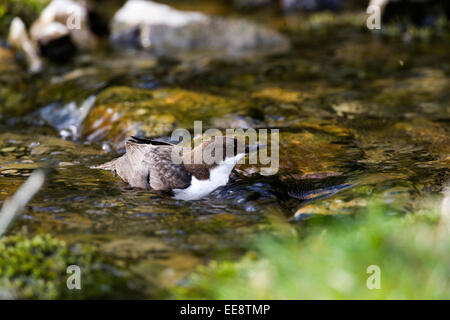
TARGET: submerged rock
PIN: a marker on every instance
(317, 152)
(421, 91)
(305, 153)
(416, 152)
(431, 135)
(166, 31)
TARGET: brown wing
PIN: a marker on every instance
(131, 167)
(164, 173)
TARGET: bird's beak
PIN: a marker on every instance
(255, 147)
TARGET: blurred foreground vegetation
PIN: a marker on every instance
(323, 257)
(35, 268)
(330, 261)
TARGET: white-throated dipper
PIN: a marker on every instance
(190, 174)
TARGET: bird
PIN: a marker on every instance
(162, 166)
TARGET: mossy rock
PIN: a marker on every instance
(36, 268)
(123, 111)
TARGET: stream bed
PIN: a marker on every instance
(360, 115)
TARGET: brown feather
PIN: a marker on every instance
(148, 163)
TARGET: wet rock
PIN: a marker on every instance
(68, 118)
(415, 152)
(122, 111)
(429, 134)
(356, 195)
(139, 12)
(308, 153)
(331, 206)
(19, 39)
(61, 29)
(23, 153)
(167, 31)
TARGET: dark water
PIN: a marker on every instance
(359, 116)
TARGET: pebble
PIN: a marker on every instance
(66, 164)
(8, 149)
(9, 171)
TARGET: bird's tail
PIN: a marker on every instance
(110, 165)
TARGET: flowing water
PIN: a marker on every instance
(359, 116)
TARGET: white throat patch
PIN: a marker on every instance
(218, 177)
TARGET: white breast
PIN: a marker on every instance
(218, 177)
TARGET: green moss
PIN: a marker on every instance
(331, 261)
(116, 95)
(188, 104)
(27, 10)
(35, 268)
